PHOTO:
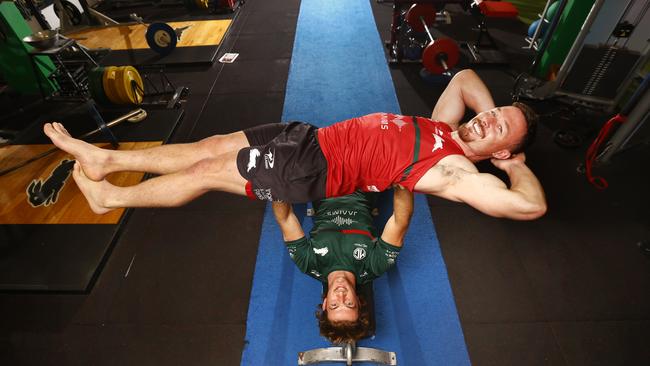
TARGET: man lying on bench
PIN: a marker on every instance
(344, 252)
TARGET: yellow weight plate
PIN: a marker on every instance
(133, 85)
(120, 89)
(202, 4)
(108, 81)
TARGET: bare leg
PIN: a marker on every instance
(97, 163)
(169, 190)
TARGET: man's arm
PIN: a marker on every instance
(524, 200)
(465, 89)
(398, 223)
(287, 220)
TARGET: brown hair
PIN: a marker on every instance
(342, 332)
(531, 127)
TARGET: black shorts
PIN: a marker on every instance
(283, 163)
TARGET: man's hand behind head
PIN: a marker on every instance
(505, 164)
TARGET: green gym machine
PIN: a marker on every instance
(15, 62)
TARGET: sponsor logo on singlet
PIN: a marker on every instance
(315, 273)
(396, 120)
(390, 256)
(253, 154)
(340, 221)
(341, 212)
(438, 144)
(359, 253)
(437, 135)
(372, 188)
(269, 159)
(321, 251)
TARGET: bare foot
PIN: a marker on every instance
(92, 159)
(92, 190)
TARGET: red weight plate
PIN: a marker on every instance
(426, 11)
(442, 46)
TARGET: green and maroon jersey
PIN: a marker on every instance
(343, 238)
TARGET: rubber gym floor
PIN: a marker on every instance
(571, 288)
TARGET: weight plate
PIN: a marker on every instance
(71, 10)
(426, 11)
(202, 4)
(95, 84)
(441, 48)
(120, 85)
(133, 86)
(108, 82)
(138, 117)
(161, 38)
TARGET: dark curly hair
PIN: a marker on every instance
(342, 332)
(531, 126)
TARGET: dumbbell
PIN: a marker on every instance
(161, 37)
(440, 55)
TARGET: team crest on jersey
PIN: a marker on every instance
(438, 144)
(359, 253)
(321, 251)
(439, 141)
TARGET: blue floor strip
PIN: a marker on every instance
(338, 70)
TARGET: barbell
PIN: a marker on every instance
(440, 55)
(135, 116)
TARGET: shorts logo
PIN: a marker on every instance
(263, 194)
(269, 159)
(359, 253)
(253, 154)
(321, 251)
(438, 144)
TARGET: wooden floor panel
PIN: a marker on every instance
(60, 201)
(130, 37)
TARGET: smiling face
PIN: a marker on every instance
(341, 302)
(494, 133)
